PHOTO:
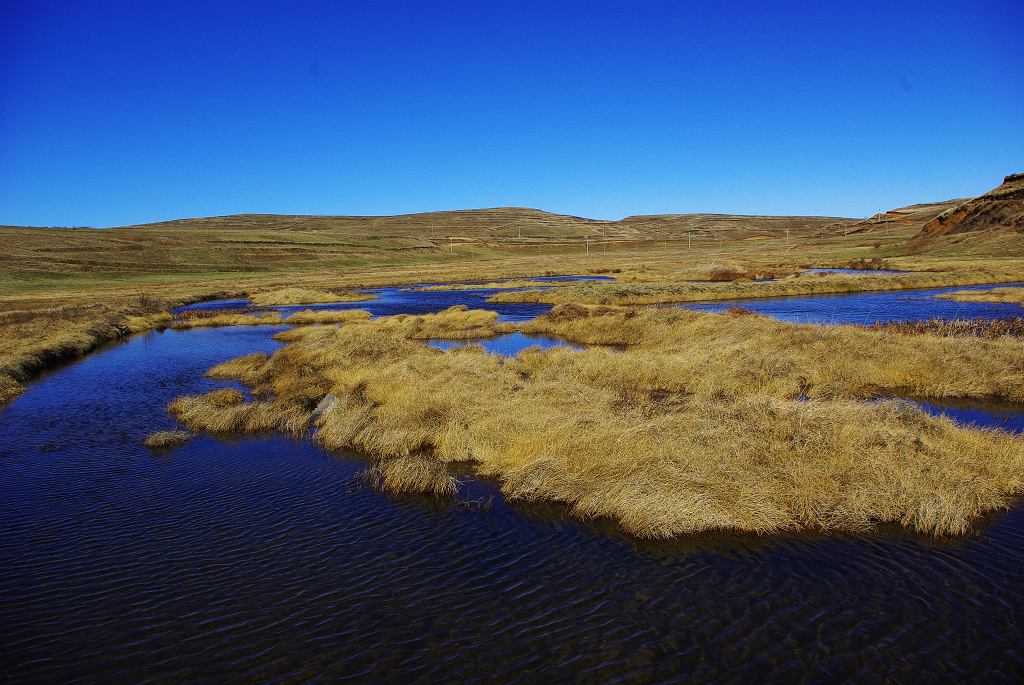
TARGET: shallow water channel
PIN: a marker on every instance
(869, 307)
(259, 558)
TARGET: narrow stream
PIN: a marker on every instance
(258, 558)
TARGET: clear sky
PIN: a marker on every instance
(126, 112)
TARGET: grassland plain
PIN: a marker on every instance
(705, 422)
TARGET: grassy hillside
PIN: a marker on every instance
(46, 265)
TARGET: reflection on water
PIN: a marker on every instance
(870, 307)
(506, 345)
(259, 558)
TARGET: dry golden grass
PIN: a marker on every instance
(411, 473)
(455, 323)
(699, 425)
(225, 411)
(1013, 295)
(288, 296)
(167, 439)
(626, 292)
(250, 369)
(977, 328)
(308, 316)
(211, 318)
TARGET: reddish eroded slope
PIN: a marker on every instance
(1001, 209)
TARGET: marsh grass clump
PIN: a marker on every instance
(706, 422)
(308, 316)
(167, 439)
(868, 263)
(252, 370)
(1009, 295)
(201, 318)
(455, 323)
(226, 411)
(732, 283)
(971, 328)
(411, 474)
(288, 296)
(729, 275)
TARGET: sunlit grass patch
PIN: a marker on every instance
(308, 316)
(167, 439)
(729, 284)
(1011, 295)
(287, 296)
(976, 328)
(211, 318)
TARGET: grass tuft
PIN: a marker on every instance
(288, 296)
(167, 439)
(308, 316)
(201, 318)
(1011, 295)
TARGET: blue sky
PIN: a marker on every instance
(126, 112)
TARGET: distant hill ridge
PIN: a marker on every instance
(496, 222)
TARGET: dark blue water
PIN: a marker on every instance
(507, 345)
(869, 308)
(1004, 416)
(260, 559)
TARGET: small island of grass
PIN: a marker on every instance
(288, 296)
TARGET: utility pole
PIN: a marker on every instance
(451, 248)
(689, 241)
(787, 237)
(588, 245)
(520, 230)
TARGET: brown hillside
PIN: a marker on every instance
(1000, 210)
